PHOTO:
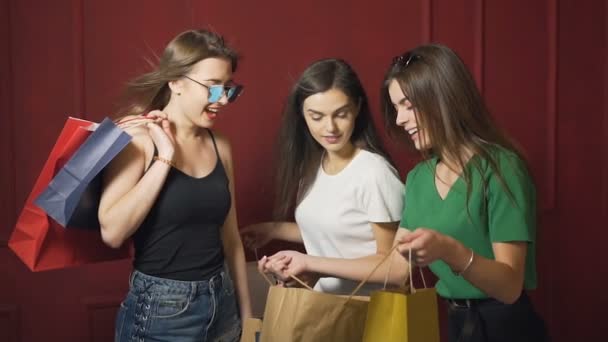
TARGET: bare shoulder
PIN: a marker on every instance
(140, 135)
(141, 142)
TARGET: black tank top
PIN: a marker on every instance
(180, 237)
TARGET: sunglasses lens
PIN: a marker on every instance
(233, 92)
(215, 93)
(229, 93)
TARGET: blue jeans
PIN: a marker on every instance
(158, 309)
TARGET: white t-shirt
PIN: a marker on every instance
(334, 216)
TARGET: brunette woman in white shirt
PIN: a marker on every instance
(333, 170)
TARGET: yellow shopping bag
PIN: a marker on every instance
(403, 316)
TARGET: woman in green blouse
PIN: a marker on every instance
(473, 220)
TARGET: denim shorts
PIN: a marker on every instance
(158, 309)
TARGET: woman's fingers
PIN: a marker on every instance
(157, 113)
(281, 264)
(277, 256)
(262, 264)
(167, 127)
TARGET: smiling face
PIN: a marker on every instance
(192, 94)
(406, 117)
(330, 117)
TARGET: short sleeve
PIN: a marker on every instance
(382, 193)
(511, 215)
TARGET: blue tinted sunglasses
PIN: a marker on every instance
(217, 91)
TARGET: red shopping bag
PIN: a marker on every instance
(39, 241)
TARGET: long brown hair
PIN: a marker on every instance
(449, 107)
(151, 91)
(298, 153)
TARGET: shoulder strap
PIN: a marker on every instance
(217, 153)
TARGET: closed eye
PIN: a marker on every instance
(342, 114)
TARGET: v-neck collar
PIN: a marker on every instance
(459, 179)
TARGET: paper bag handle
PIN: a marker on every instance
(410, 262)
(301, 282)
(255, 251)
(266, 278)
(389, 255)
(372, 272)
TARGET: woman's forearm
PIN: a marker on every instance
(360, 268)
(497, 279)
(287, 231)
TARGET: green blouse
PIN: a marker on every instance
(493, 215)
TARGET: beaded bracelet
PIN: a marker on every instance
(166, 161)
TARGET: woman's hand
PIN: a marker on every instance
(275, 267)
(159, 129)
(426, 245)
(131, 121)
(501, 277)
(284, 264)
(291, 263)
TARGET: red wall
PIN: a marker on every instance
(541, 65)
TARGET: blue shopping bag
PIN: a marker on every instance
(72, 197)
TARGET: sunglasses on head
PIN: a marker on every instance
(217, 91)
(405, 59)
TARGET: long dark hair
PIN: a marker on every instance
(151, 91)
(298, 153)
(448, 106)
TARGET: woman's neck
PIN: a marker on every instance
(183, 128)
(335, 161)
(453, 162)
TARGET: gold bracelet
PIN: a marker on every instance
(166, 161)
(468, 264)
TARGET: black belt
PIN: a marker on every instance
(473, 319)
(479, 302)
(469, 303)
